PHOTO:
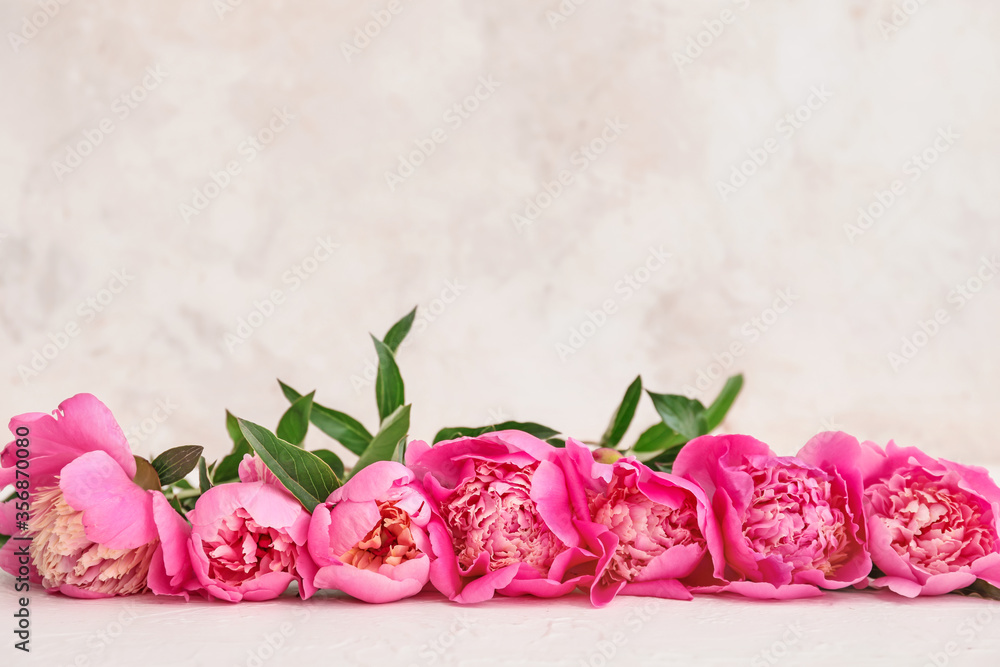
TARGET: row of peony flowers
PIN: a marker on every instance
(507, 513)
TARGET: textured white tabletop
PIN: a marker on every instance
(857, 628)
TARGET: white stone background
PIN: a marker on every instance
(493, 351)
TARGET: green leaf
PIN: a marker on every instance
(145, 475)
(332, 460)
(399, 330)
(623, 415)
(176, 504)
(656, 439)
(204, 483)
(295, 422)
(383, 445)
(228, 468)
(304, 474)
(389, 393)
(174, 464)
(716, 412)
(344, 429)
(983, 589)
(233, 428)
(537, 430)
(682, 414)
(399, 456)
(3, 540)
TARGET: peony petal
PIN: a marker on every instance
(117, 513)
(351, 523)
(373, 482)
(366, 585)
(766, 591)
(170, 571)
(81, 424)
(670, 589)
(484, 587)
(548, 490)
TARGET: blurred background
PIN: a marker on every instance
(202, 196)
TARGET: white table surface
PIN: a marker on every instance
(857, 628)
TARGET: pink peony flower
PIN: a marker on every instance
(650, 529)
(246, 542)
(373, 539)
(932, 524)
(790, 526)
(505, 504)
(93, 530)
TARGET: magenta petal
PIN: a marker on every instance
(548, 490)
(483, 588)
(170, 571)
(351, 522)
(81, 424)
(766, 591)
(374, 587)
(116, 512)
(373, 482)
(670, 589)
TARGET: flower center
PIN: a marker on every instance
(795, 514)
(62, 554)
(933, 524)
(493, 513)
(242, 549)
(389, 542)
(645, 528)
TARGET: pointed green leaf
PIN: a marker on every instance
(623, 415)
(682, 414)
(383, 445)
(331, 460)
(716, 412)
(295, 422)
(389, 393)
(537, 430)
(233, 428)
(343, 428)
(227, 468)
(204, 482)
(174, 464)
(304, 474)
(656, 439)
(399, 330)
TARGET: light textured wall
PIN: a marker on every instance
(880, 95)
